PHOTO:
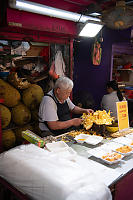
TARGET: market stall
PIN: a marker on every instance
(27, 170)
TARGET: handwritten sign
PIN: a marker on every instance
(122, 113)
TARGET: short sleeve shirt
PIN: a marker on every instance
(48, 110)
(109, 103)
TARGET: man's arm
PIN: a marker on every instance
(78, 110)
(56, 125)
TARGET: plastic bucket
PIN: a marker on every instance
(129, 92)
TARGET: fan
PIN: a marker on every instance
(118, 17)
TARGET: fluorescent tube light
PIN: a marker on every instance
(91, 29)
(49, 11)
(95, 14)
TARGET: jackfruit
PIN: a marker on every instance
(34, 115)
(5, 116)
(21, 114)
(8, 139)
(36, 129)
(10, 95)
(32, 96)
(18, 132)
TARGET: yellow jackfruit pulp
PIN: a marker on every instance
(99, 117)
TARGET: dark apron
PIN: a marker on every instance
(63, 115)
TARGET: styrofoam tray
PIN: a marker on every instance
(99, 152)
(61, 149)
(111, 146)
(125, 154)
(81, 138)
(90, 139)
(124, 140)
(114, 146)
(56, 146)
(93, 139)
(130, 136)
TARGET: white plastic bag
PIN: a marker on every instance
(91, 192)
(21, 50)
(59, 64)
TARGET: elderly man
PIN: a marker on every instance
(55, 109)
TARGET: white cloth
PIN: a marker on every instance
(109, 103)
(46, 175)
(59, 64)
(48, 110)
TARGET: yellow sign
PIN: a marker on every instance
(122, 113)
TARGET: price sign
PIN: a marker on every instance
(122, 113)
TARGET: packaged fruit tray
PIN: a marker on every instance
(108, 156)
(119, 148)
(124, 140)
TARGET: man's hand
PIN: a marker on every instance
(78, 110)
(77, 121)
(88, 111)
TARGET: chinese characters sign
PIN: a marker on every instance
(122, 113)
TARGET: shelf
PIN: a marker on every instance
(131, 100)
(19, 58)
(32, 56)
(125, 83)
(125, 70)
(37, 79)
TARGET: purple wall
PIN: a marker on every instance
(90, 78)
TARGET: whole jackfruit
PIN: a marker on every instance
(34, 115)
(36, 129)
(21, 114)
(32, 96)
(18, 132)
(5, 116)
(10, 95)
(8, 139)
